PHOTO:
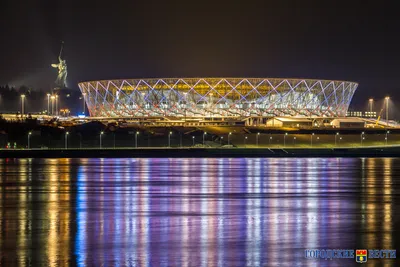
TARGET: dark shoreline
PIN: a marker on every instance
(203, 152)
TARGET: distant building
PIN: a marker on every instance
(290, 122)
(362, 114)
(348, 123)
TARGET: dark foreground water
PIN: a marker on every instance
(195, 212)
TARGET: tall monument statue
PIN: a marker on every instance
(61, 80)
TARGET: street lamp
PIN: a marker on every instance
(229, 138)
(101, 134)
(258, 134)
(136, 135)
(371, 103)
(66, 139)
(284, 139)
(245, 139)
(193, 140)
(362, 137)
(220, 140)
(387, 110)
(336, 135)
(52, 104)
(340, 139)
(29, 140)
(56, 104)
(48, 104)
(84, 94)
(169, 139)
(294, 141)
(269, 141)
(312, 135)
(204, 134)
(22, 104)
(386, 138)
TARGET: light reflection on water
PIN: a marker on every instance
(194, 212)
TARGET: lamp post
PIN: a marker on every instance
(270, 139)
(312, 135)
(136, 136)
(101, 134)
(371, 103)
(336, 135)
(84, 95)
(386, 137)
(340, 140)
(362, 137)
(29, 140)
(114, 139)
(52, 104)
(48, 104)
(284, 139)
(56, 104)
(294, 141)
(193, 140)
(22, 104)
(387, 110)
(229, 138)
(169, 139)
(257, 136)
(66, 139)
(220, 140)
(245, 139)
(204, 135)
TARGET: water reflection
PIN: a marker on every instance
(194, 212)
(35, 212)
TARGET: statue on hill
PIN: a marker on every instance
(61, 80)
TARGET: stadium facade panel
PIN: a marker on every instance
(217, 97)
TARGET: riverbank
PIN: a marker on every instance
(389, 151)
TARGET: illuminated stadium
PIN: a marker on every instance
(234, 98)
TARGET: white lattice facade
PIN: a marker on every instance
(217, 97)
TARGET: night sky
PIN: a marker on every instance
(343, 40)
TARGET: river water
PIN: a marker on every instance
(196, 212)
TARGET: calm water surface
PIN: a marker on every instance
(195, 212)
